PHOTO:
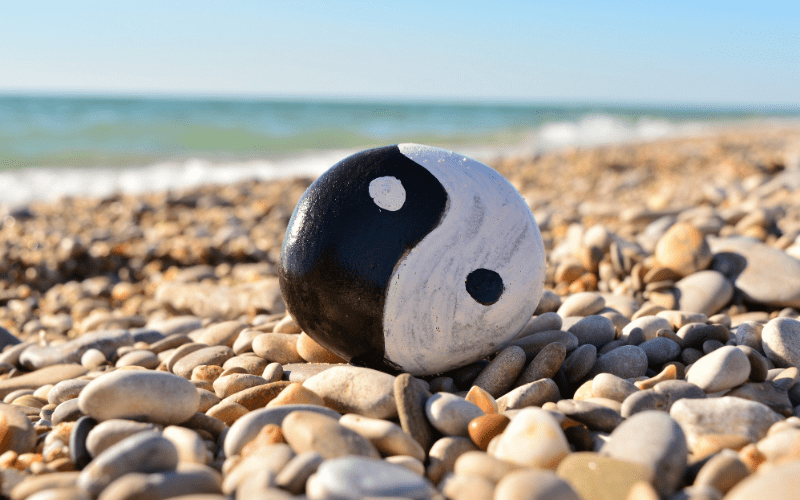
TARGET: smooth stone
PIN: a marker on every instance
(456, 487)
(227, 412)
(533, 344)
(594, 416)
(655, 440)
(767, 393)
(704, 292)
(499, 375)
(645, 400)
(176, 325)
(295, 473)
(144, 452)
(781, 341)
(482, 399)
(627, 361)
(170, 342)
(411, 398)
(409, 463)
(208, 300)
(387, 437)
(211, 356)
(230, 384)
(677, 319)
(606, 385)
(443, 455)
(549, 302)
(139, 357)
(597, 477)
(68, 411)
(531, 394)
(78, 451)
(531, 484)
(296, 394)
(196, 481)
(759, 366)
(65, 390)
(278, 347)
(781, 482)
(157, 397)
(594, 330)
(261, 467)
(678, 389)
(105, 434)
(464, 376)
(259, 396)
(728, 415)
(650, 325)
(300, 372)
(481, 464)
(533, 438)
(683, 248)
(541, 323)
(207, 400)
(106, 341)
(722, 369)
(545, 365)
(451, 414)
(7, 338)
(635, 336)
(247, 428)
(191, 447)
(175, 355)
(581, 304)
(749, 334)
(580, 362)
(312, 352)
(32, 485)
(762, 273)
(351, 389)
(16, 431)
(722, 471)
(224, 333)
(251, 364)
(483, 429)
(361, 477)
(660, 350)
(244, 341)
(310, 431)
(48, 375)
(694, 335)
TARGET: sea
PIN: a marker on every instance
(54, 146)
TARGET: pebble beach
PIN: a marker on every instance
(146, 352)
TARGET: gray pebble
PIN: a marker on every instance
(499, 375)
(710, 346)
(595, 330)
(293, 475)
(533, 344)
(196, 481)
(758, 364)
(534, 393)
(580, 362)
(781, 341)
(614, 344)
(636, 336)
(545, 365)
(625, 362)
(704, 292)
(695, 334)
(722, 369)
(65, 390)
(678, 389)
(139, 357)
(549, 302)
(690, 355)
(660, 350)
(352, 389)
(312, 431)
(594, 416)
(450, 414)
(749, 334)
(214, 355)
(767, 393)
(542, 323)
(644, 401)
(106, 341)
(411, 397)
(606, 385)
(68, 411)
(581, 304)
(111, 432)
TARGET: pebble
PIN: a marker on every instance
(549, 302)
(677, 319)
(653, 439)
(533, 438)
(191, 447)
(541, 323)
(719, 370)
(143, 452)
(277, 347)
(68, 411)
(212, 356)
(769, 276)
(704, 292)
(351, 389)
(595, 330)
(105, 434)
(248, 427)
(451, 414)
(481, 399)
(722, 416)
(230, 384)
(499, 375)
(456, 487)
(694, 335)
(722, 471)
(531, 394)
(781, 341)
(594, 416)
(196, 482)
(300, 372)
(93, 358)
(356, 477)
(544, 365)
(749, 334)
(678, 389)
(483, 429)
(295, 393)
(534, 485)
(224, 333)
(606, 385)
(443, 455)
(597, 477)
(258, 396)
(16, 431)
(293, 476)
(644, 400)
(244, 341)
(580, 362)
(78, 451)
(781, 482)
(684, 249)
(310, 431)
(106, 341)
(312, 352)
(627, 361)
(387, 437)
(411, 398)
(660, 350)
(581, 304)
(480, 463)
(767, 393)
(650, 325)
(533, 344)
(65, 390)
(140, 394)
(49, 375)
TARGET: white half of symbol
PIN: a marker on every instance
(388, 193)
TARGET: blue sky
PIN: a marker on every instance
(633, 52)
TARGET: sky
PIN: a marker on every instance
(684, 52)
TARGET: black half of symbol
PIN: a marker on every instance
(485, 286)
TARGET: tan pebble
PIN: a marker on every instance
(587, 282)
(278, 347)
(63, 464)
(30, 401)
(684, 249)
(670, 372)
(482, 399)
(443, 455)
(203, 385)
(16, 431)
(191, 447)
(26, 459)
(479, 463)
(352, 389)
(410, 463)
(287, 325)
(598, 477)
(248, 362)
(206, 373)
(722, 471)
(43, 391)
(273, 372)
(710, 444)
(483, 429)
(296, 394)
(268, 435)
(751, 457)
(389, 438)
(227, 411)
(534, 484)
(584, 391)
(533, 438)
(233, 383)
(311, 351)
(32, 484)
(8, 458)
(259, 396)
(642, 491)
(232, 370)
(93, 358)
(309, 431)
(460, 487)
(531, 394)
(224, 333)
(213, 355)
(244, 341)
(647, 309)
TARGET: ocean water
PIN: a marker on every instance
(55, 146)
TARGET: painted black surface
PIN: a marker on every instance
(341, 249)
(485, 286)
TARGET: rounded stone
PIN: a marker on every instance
(534, 485)
(581, 304)
(650, 325)
(65, 390)
(781, 341)
(450, 414)
(387, 437)
(356, 477)
(533, 438)
(683, 249)
(499, 375)
(531, 394)
(580, 362)
(214, 355)
(628, 361)
(311, 431)
(545, 364)
(408, 234)
(704, 292)
(606, 385)
(483, 429)
(105, 434)
(660, 350)
(352, 389)
(781, 482)
(16, 431)
(721, 369)
(157, 397)
(595, 330)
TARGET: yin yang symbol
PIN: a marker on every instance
(412, 258)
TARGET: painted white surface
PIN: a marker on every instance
(431, 323)
(388, 193)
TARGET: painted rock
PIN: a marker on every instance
(412, 258)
